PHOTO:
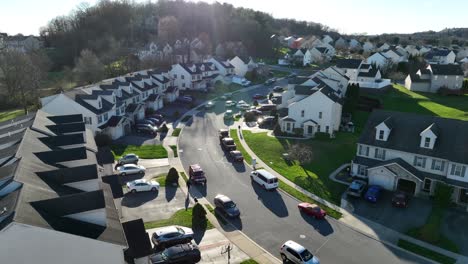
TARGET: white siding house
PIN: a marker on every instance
(240, 67)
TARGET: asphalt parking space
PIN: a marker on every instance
(395, 218)
(152, 206)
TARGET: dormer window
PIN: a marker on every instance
(99, 104)
(427, 142)
(381, 135)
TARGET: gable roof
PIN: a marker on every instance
(139, 244)
(446, 69)
(348, 63)
(451, 143)
(371, 73)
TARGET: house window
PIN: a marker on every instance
(379, 154)
(463, 196)
(458, 170)
(363, 150)
(99, 104)
(326, 129)
(288, 126)
(310, 129)
(182, 76)
(88, 120)
(318, 128)
(381, 134)
(302, 113)
(427, 142)
(438, 165)
(419, 162)
(362, 170)
(99, 119)
(106, 116)
(183, 84)
(320, 115)
(175, 76)
(427, 185)
(117, 111)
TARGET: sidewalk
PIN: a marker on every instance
(364, 226)
(239, 239)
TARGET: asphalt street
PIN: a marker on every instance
(271, 217)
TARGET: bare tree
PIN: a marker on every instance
(168, 29)
(89, 68)
(301, 153)
(21, 74)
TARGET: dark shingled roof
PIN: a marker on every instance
(348, 63)
(8, 171)
(67, 128)
(188, 68)
(63, 140)
(106, 105)
(417, 79)
(132, 108)
(321, 49)
(370, 73)
(64, 119)
(298, 80)
(68, 175)
(171, 89)
(451, 142)
(112, 122)
(446, 69)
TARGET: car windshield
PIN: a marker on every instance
(230, 204)
(355, 186)
(198, 173)
(164, 255)
(306, 255)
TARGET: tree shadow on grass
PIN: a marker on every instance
(170, 192)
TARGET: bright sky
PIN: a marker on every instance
(347, 16)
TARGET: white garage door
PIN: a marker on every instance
(385, 181)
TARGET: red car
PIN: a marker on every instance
(258, 96)
(312, 210)
(400, 199)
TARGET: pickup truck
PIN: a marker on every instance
(228, 144)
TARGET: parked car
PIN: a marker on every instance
(157, 116)
(223, 133)
(185, 99)
(183, 253)
(373, 193)
(246, 83)
(226, 206)
(270, 81)
(243, 105)
(267, 121)
(255, 112)
(278, 89)
(236, 155)
(171, 235)
(146, 122)
(230, 103)
(312, 210)
(228, 114)
(209, 105)
(400, 199)
(146, 128)
(130, 169)
(228, 144)
(196, 174)
(266, 107)
(356, 188)
(258, 96)
(128, 159)
(265, 179)
(296, 253)
(142, 185)
(156, 121)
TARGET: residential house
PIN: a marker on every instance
(224, 68)
(315, 55)
(167, 90)
(296, 56)
(150, 50)
(383, 47)
(188, 76)
(350, 67)
(440, 56)
(434, 77)
(240, 67)
(167, 52)
(396, 55)
(368, 47)
(327, 39)
(22, 43)
(312, 106)
(364, 74)
(413, 50)
(354, 45)
(341, 43)
(54, 202)
(380, 60)
(412, 152)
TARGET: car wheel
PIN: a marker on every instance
(283, 257)
(141, 172)
(123, 174)
(154, 189)
(263, 186)
(134, 190)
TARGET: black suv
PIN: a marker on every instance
(146, 128)
(183, 253)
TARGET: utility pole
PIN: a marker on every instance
(227, 249)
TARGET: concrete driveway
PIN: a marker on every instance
(398, 219)
(152, 206)
(454, 228)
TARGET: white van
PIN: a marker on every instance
(265, 179)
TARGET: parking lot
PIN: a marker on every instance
(395, 218)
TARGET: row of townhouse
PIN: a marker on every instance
(312, 104)
(412, 152)
(434, 77)
(114, 105)
(317, 52)
(367, 75)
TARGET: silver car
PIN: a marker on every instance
(130, 169)
(128, 159)
(172, 235)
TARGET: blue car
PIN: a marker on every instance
(373, 193)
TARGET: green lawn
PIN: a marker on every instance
(425, 252)
(183, 176)
(161, 179)
(280, 74)
(174, 149)
(401, 99)
(144, 152)
(328, 154)
(234, 135)
(10, 114)
(249, 261)
(182, 217)
(176, 132)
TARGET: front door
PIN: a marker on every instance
(406, 186)
(463, 196)
(310, 130)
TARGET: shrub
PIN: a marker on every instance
(443, 195)
(172, 176)
(255, 103)
(163, 129)
(102, 140)
(322, 135)
(199, 219)
(298, 131)
(176, 114)
(250, 117)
